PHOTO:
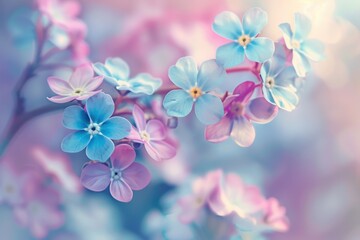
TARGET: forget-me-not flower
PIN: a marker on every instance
(244, 36)
(195, 85)
(303, 48)
(116, 71)
(95, 128)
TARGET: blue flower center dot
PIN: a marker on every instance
(93, 128)
(244, 40)
(115, 174)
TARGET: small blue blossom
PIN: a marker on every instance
(117, 72)
(303, 48)
(195, 85)
(278, 81)
(95, 128)
(244, 36)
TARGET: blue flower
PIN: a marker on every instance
(195, 86)
(278, 81)
(117, 72)
(244, 36)
(95, 128)
(303, 48)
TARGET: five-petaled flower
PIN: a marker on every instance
(244, 35)
(195, 86)
(116, 71)
(123, 176)
(81, 85)
(153, 134)
(240, 112)
(95, 128)
(303, 48)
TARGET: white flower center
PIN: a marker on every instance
(145, 136)
(295, 44)
(93, 128)
(78, 91)
(244, 40)
(270, 82)
(115, 174)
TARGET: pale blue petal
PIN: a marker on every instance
(100, 148)
(178, 103)
(260, 49)
(144, 83)
(285, 98)
(286, 77)
(268, 95)
(227, 25)
(116, 128)
(75, 118)
(209, 109)
(100, 107)
(265, 69)
(184, 73)
(254, 20)
(118, 68)
(287, 34)
(101, 70)
(300, 63)
(75, 142)
(230, 55)
(313, 49)
(210, 75)
(302, 26)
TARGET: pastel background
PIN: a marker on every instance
(309, 159)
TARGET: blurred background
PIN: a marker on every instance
(309, 159)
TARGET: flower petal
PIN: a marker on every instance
(100, 148)
(121, 191)
(230, 55)
(81, 76)
(136, 176)
(59, 86)
(139, 118)
(87, 95)
(244, 91)
(260, 49)
(95, 176)
(156, 129)
(313, 49)
(75, 118)
(286, 77)
(243, 132)
(160, 150)
(144, 83)
(261, 111)
(100, 107)
(210, 75)
(178, 103)
(184, 73)
(227, 24)
(101, 70)
(118, 68)
(285, 98)
(116, 128)
(302, 26)
(220, 131)
(301, 64)
(93, 83)
(287, 34)
(123, 156)
(60, 99)
(209, 109)
(254, 20)
(75, 142)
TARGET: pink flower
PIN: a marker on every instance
(41, 211)
(153, 134)
(240, 112)
(123, 176)
(11, 185)
(274, 216)
(81, 85)
(202, 188)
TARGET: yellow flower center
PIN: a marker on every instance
(237, 108)
(78, 91)
(270, 82)
(195, 92)
(244, 40)
(295, 44)
(145, 136)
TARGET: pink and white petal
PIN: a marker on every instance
(260, 110)
(61, 99)
(243, 132)
(72, 8)
(93, 83)
(156, 129)
(136, 176)
(219, 203)
(123, 156)
(95, 176)
(81, 76)
(134, 135)
(139, 118)
(121, 191)
(87, 95)
(220, 131)
(59, 86)
(160, 150)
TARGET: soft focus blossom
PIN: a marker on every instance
(153, 134)
(95, 128)
(117, 72)
(240, 112)
(303, 48)
(123, 176)
(81, 85)
(274, 216)
(11, 185)
(195, 86)
(244, 35)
